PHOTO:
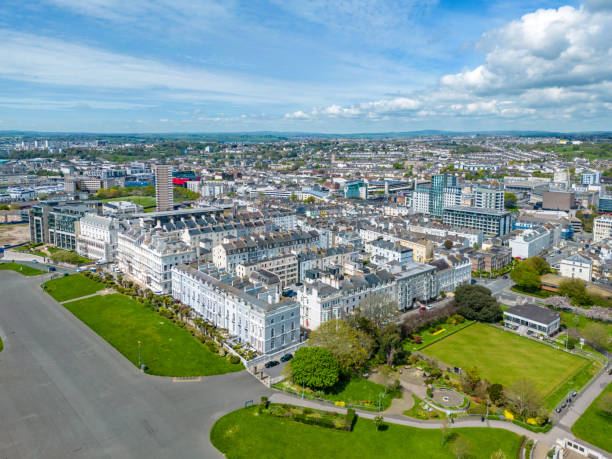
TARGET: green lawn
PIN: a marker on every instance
(247, 434)
(144, 201)
(428, 338)
(67, 256)
(1, 345)
(594, 425)
(21, 269)
(356, 391)
(74, 286)
(166, 349)
(579, 321)
(504, 357)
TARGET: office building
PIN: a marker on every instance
(489, 198)
(489, 221)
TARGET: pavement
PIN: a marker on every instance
(66, 393)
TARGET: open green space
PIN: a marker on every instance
(570, 319)
(246, 434)
(354, 391)
(74, 286)
(595, 425)
(67, 256)
(504, 357)
(1, 345)
(166, 349)
(144, 201)
(427, 337)
(21, 269)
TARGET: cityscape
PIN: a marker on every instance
(203, 255)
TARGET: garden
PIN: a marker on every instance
(247, 433)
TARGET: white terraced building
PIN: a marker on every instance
(251, 313)
(97, 237)
(148, 256)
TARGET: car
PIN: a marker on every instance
(422, 309)
(286, 357)
(574, 393)
(272, 363)
(51, 268)
(505, 276)
(429, 307)
(298, 284)
(610, 371)
(564, 405)
(558, 410)
(34, 261)
(80, 270)
(93, 270)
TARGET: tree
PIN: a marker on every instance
(315, 367)
(379, 421)
(471, 378)
(525, 277)
(448, 244)
(352, 348)
(538, 264)
(461, 447)
(496, 393)
(596, 334)
(380, 309)
(510, 201)
(398, 165)
(575, 290)
(475, 302)
(389, 341)
(476, 246)
(309, 200)
(524, 398)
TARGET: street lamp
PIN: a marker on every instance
(139, 364)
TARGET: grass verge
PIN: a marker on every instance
(246, 434)
(166, 348)
(595, 425)
(70, 287)
(21, 269)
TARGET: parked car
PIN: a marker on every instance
(286, 357)
(574, 393)
(558, 409)
(272, 363)
(422, 309)
(34, 261)
(51, 268)
(505, 276)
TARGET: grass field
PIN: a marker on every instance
(21, 269)
(356, 391)
(166, 349)
(245, 434)
(1, 345)
(504, 357)
(428, 338)
(74, 286)
(594, 425)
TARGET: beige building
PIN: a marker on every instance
(422, 249)
(163, 187)
(284, 266)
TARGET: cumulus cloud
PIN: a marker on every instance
(546, 63)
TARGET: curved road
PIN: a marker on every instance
(65, 392)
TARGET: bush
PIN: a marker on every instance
(234, 359)
(350, 419)
(315, 367)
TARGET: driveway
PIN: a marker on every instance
(65, 392)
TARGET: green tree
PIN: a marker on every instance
(510, 201)
(525, 277)
(448, 244)
(496, 393)
(475, 302)
(461, 447)
(398, 165)
(315, 367)
(575, 290)
(596, 334)
(310, 200)
(538, 264)
(524, 398)
(605, 403)
(379, 421)
(351, 347)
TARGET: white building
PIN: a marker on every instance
(382, 251)
(420, 202)
(284, 266)
(452, 271)
(148, 255)
(530, 242)
(252, 314)
(121, 208)
(590, 178)
(532, 320)
(489, 198)
(577, 267)
(602, 227)
(97, 237)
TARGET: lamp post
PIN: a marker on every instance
(139, 365)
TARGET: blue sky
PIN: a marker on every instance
(317, 66)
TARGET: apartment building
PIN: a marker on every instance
(489, 198)
(284, 266)
(452, 271)
(493, 259)
(259, 247)
(602, 227)
(530, 242)
(97, 238)
(164, 196)
(324, 258)
(576, 267)
(382, 251)
(489, 221)
(148, 255)
(252, 313)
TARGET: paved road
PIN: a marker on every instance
(66, 393)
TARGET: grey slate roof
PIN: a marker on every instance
(534, 313)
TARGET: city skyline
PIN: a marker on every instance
(158, 66)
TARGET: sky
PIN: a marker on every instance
(335, 66)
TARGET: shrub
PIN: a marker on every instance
(350, 419)
(234, 359)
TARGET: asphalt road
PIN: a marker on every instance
(66, 393)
